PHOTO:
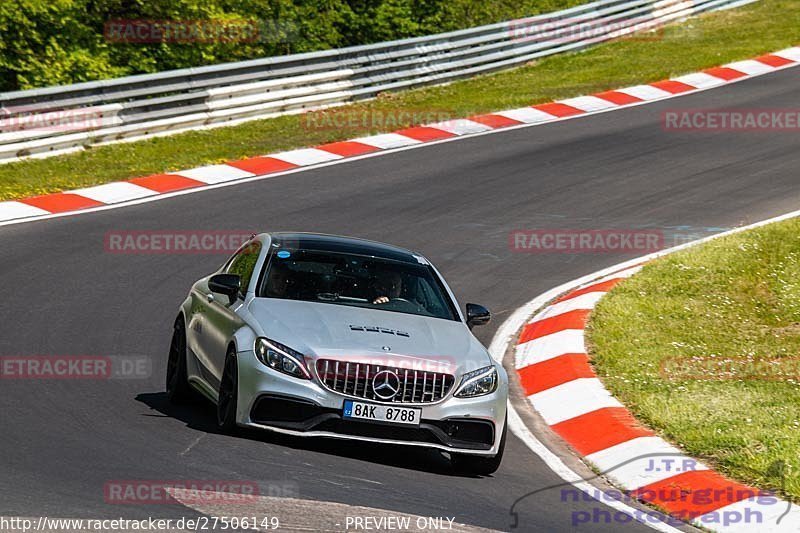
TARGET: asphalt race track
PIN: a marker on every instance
(63, 294)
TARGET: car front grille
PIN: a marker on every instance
(356, 380)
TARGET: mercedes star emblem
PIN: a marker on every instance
(385, 384)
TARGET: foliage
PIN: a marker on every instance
(54, 42)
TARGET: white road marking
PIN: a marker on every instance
(645, 92)
(526, 115)
(588, 103)
(387, 141)
(750, 66)
(792, 54)
(12, 210)
(550, 346)
(571, 399)
(700, 80)
(193, 444)
(111, 193)
(460, 126)
(215, 173)
(306, 156)
(584, 301)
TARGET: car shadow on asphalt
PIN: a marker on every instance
(201, 416)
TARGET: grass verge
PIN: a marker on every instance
(702, 42)
(704, 346)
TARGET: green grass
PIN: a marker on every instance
(703, 346)
(701, 42)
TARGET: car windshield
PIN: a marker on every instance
(356, 280)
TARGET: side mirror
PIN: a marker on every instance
(227, 284)
(477, 315)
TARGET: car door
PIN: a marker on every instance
(221, 319)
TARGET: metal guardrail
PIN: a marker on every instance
(55, 120)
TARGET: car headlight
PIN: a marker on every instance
(478, 382)
(281, 358)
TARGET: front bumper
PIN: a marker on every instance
(277, 402)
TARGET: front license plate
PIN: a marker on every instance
(382, 413)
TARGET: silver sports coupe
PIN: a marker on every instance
(323, 336)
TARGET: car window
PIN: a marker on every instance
(358, 281)
(243, 263)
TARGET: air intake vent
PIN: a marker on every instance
(377, 329)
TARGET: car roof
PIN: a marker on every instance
(336, 243)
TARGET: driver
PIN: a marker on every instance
(278, 282)
(388, 286)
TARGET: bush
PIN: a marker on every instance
(55, 42)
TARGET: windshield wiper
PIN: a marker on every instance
(328, 296)
(336, 297)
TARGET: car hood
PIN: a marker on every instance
(323, 330)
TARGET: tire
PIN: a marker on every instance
(177, 383)
(477, 464)
(228, 394)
